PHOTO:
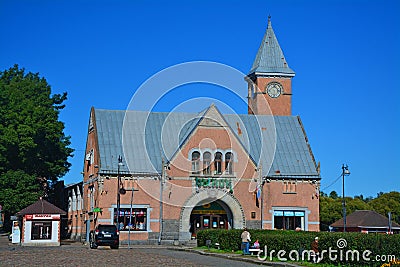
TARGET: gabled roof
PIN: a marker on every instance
(41, 207)
(145, 138)
(270, 58)
(365, 219)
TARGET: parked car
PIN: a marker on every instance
(105, 235)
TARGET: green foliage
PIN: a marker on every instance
(33, 147)
(331, 208)
(333, 195)
(18, 190)
(378, 244)
(31, 136)
(387, 202)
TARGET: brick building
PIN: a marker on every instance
(204, 170)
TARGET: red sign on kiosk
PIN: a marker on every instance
(42, 217)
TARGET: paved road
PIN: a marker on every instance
(75, 254)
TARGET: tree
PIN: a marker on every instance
(333, 195)
(17, 190)
(386, 202)
(32, 139)
(331, 209)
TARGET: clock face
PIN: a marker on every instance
(274, 89)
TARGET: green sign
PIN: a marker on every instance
(96, 209)
(210, 182)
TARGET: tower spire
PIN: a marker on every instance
(270, 58)
(270, 79)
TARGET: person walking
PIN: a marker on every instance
(245, 241)
(314, 248)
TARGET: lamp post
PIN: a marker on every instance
(345, 172)
(130, 215)
(118, 189)
(165, 166)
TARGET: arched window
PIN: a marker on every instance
(207, 163)
(218, 163)
(196, 162)
(229, 163)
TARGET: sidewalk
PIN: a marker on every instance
(231, 256)
(237, 257)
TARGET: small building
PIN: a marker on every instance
(41, 223)
(366, 221)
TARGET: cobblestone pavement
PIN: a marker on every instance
(75, 254)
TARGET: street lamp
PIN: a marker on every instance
(165, 166)
(130, 214)
(118, 189)
(345, 172)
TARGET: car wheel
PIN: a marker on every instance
(114, 247)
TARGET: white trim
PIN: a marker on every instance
(275, 74)
(105, 221)
(287, 208)
(270, 222)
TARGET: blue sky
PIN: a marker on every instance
(345, 55)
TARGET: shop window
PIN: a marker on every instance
(135, 222)
(207, 163)
(218, 163)
(288, 220)
(229, 163)
(41, 230)
(196, 162)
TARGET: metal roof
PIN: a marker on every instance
(270, 58)
(145, 138)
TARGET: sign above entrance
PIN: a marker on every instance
(42, 217)
(210, 182)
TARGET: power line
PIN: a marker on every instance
(340, 176)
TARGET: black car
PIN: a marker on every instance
(105, 235)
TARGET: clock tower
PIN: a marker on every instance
(270, 79)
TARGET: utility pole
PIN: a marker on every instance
(118, 189)
(130, 214)
(162, 180)
(345, 172)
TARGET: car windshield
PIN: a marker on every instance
(107, 228)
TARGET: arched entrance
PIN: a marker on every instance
(214, 215)
(233, 210)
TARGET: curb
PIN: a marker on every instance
(235, 257)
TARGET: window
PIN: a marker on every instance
(41, 230)
(289, 187)
(229, 163)
(207, 163)
(288, 219)
(136, 222)
(196, 162)
(91, 197)
(218, 163)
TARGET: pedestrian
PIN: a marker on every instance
(315, 251)
(245, 242)
(256, 244)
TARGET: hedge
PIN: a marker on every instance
(380, 245)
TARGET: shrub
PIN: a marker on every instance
(378, 244)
